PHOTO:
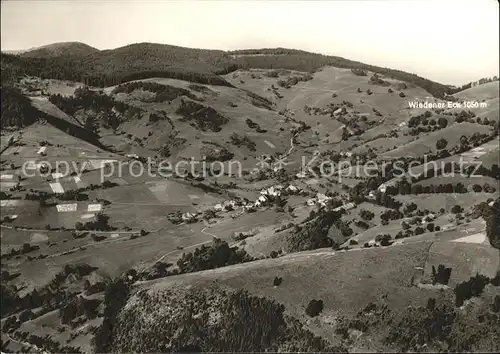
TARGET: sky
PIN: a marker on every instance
(449, 41)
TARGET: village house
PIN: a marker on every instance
(188, 217)
(218, 207)
(292, 189)
(261, 201)
(347, 206)
(229, 204)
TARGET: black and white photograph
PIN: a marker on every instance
(236, 176)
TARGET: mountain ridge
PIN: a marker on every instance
(140, 60)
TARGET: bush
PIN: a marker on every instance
(477, 188)
(219, 254)
(366, 214)
(441, 276)
(419, 230)
(362, 224)
(442, 122)
(470, 288)
(314, 308)
(359, 72)
(204, 118)
(277, 281)
(384, 240)
(495, 306)
(97, 238)
(441, 144)
(314, 234)
(402, 94)
(244, 140)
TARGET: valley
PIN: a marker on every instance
(149, 201)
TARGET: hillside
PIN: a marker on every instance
(344, 282)
(142, 60)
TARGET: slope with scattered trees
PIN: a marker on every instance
(205, 320)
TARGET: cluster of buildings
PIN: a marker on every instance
(266, 196)
(320, 199)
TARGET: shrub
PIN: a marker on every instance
(441, 276)
(402, 94)
(384, 239)
(441, 144)
(97, 238)
(277, 281)
(359, 72)
(314, 308)
(362, 224)
(477, 188)
(366, 214)
(314, 234)
(346, 230)
(219, 254)
(442, 122)
(470, 288)
(244, 140)
(399, 235)
(495, 306)
(204, 118)
(272, 73)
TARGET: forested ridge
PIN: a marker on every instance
(143, 60)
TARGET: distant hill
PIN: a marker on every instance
(60, 49)
(132, 62)
(144, 60)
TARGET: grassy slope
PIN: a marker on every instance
(218, 97)
(346, 281)
(427, 143)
